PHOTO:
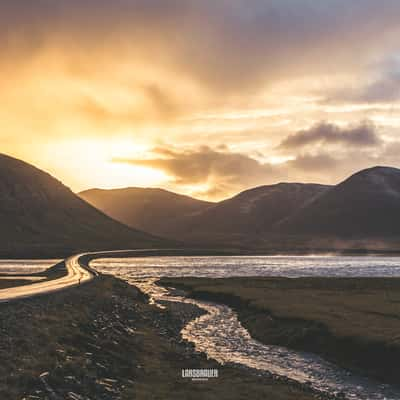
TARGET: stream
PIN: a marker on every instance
(219, 333)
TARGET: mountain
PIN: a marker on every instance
(252, 212)
(42, 217)
(359, 214)
(249, 214)
(153, 210)
(366, 205)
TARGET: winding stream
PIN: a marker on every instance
(219, 334)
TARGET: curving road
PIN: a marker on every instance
(80, 272)
(77, 274)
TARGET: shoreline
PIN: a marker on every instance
(191, 249)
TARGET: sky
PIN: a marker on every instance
(205, 98)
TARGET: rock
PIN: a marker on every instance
(74, 396)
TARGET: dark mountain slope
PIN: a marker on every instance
(153, 210)
(39, 216)
(367, 204)
(248, 214)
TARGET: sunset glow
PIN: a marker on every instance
(93, 91)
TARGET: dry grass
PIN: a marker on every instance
(352, 321)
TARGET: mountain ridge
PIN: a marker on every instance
(361, 211)
(41, 216)
(239, 215)
(153, 210)
(366, 204)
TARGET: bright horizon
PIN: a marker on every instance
(237, 96)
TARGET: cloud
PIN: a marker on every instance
(323, 133)
(216, 173)
(210, 172)
(225, 45)
(204, 164)
(190, 72)
(151, 104)
(312, 163)
(386, 89)
(382, 87)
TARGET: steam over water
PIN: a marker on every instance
(220, 335)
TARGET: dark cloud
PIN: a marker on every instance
(201, 165)
(362, 135)
(226, 44)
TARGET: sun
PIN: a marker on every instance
(114, 175)
(87, 163)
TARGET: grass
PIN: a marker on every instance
(103, 340)
(354, 322)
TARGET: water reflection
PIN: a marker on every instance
(225, 266)
(27, 267)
